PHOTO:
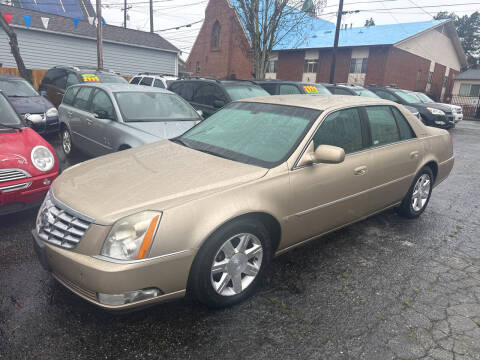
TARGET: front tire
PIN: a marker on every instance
(230, 265)
(67, 143)
(418, 196)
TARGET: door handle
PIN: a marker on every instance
(361, 170)
(414, 154)
(69, 113)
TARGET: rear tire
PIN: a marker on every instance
(230, 266)
(418, 196)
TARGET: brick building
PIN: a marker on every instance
(422, 56)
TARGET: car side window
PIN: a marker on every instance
(135, 80)
(288, 89)
(70, 95)
(146, 81)
(60, 79)
(102, 105)
(159, 84)
(383, 127)
(406, 131)
(342, 128)
(81, 100)
(270, 88)
(385, 95)
(72, 79)
(207, 94)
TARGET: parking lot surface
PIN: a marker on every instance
(384, 288)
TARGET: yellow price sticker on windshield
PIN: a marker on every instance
(310, 89)
(90, 77)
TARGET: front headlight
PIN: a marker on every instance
(435, 111)
(52, 112)
(42, 216)
(131, 237)
(42, 158)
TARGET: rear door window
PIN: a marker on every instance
(338, 91)
(386, 95)
(383, 126)
(343, 128)
(146, 81)
(82, 98)
(72, 79)
(188, 90)
(207, 94)
(406, 131)
(270, 88)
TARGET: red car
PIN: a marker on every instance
(28, 164)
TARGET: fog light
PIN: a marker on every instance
(46, 181)
(128, 297)
(440, 122)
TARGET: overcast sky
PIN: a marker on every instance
(172, 13)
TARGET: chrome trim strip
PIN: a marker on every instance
(449, 159)
(70, 210)
(15, 187)
(350, 196)
(118, 261)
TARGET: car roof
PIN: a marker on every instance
(269, 81)
(323, 102)
(10, 77)
(222, 82)
(85, 69)
(117, 87)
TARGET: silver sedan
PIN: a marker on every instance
(98, 118)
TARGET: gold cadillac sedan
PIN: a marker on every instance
(206, 212)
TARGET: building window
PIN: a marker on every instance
(445, 81)
(215, 44)
(470, 90)
(272, 66)
(310, 66)
(358, 65)
(198, 66)
(430, 77)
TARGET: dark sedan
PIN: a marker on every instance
(432, 114)
(38, 112)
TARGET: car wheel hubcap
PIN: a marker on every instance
(421, 192)
(67, 144)
(236, 264)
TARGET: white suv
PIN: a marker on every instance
(156, 80)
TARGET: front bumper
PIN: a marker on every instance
(87, 276)
(22, 199)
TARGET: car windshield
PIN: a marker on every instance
(8, 115)
(316, 89)
(365, 92)
(17, 88)
(408, 98)
(238, 92)
(253, 133)
(424, 97)
(153, 106)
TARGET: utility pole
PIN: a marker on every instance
(151, 16)
(335, 43)
(99, 35)
(125, 13)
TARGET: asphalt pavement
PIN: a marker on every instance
(384, 288)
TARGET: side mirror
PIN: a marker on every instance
(218, 103)
(323, 154)
(34, 118)
(102, 114)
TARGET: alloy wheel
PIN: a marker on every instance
(236, 264)
(66, 142)
(421, 191)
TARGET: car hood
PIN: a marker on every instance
(155, 176)
(163, 129)
(31, 104)
(16, 148)
(438, 106)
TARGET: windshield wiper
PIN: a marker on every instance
(7, 126)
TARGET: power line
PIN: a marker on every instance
(181, 26)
